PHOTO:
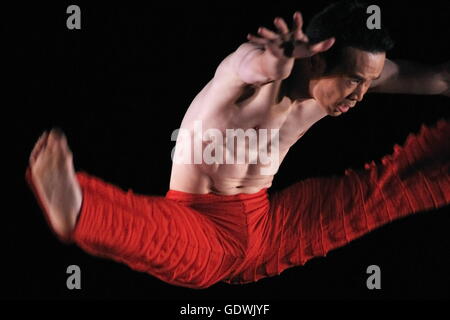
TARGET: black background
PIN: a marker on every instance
(119, 87)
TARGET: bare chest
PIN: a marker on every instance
(259, 109)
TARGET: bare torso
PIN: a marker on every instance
(222, 105)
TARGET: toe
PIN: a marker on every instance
(59, 148)
(54, 135)
(38, 147)
(55, 138)
(63, 142)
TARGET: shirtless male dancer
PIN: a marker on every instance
(218, 222)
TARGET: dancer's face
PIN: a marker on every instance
(340, 89)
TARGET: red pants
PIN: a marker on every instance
(197, 240)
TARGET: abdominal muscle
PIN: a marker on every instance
(247, 176)
(223, 179)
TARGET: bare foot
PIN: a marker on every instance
(55, 183)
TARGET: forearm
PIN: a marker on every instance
(275, 68)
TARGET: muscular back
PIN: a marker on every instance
(229, 101)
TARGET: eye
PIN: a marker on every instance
(355, 81)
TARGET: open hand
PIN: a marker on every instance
(289, 44)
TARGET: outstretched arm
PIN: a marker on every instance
(413, 78)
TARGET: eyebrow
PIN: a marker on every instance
(354, 75)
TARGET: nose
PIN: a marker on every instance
(359, 93)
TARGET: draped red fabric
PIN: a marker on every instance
(196, 240)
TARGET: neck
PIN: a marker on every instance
(297, 88)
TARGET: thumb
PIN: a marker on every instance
(322, 46)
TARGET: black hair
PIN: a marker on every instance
(346, 21)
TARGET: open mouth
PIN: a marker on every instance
(343, 108)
